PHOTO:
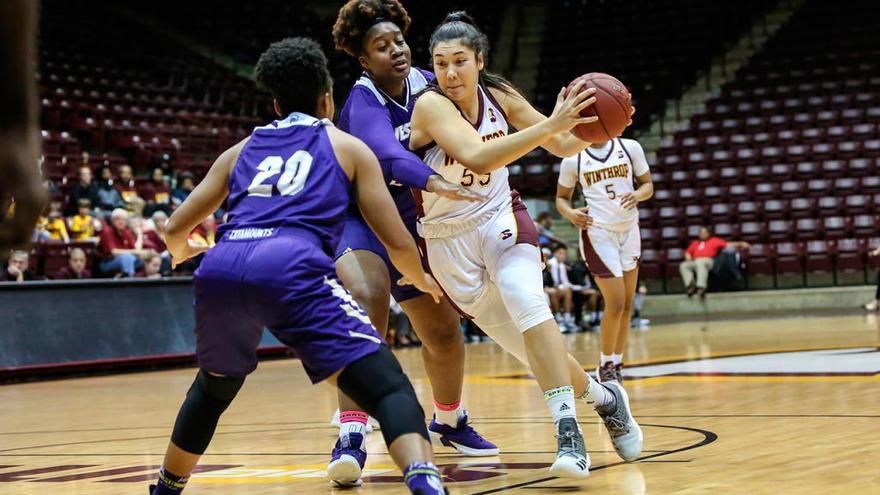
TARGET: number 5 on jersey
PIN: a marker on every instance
(292, 180)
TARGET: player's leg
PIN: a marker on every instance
(614, 292)
(630, 252)
(438, 326)
(207, 399)
(364, 273)
(226, 342)
(602, 251)
(379, 385)
(630, 282)
(335, 335)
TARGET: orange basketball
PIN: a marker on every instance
(613, 106)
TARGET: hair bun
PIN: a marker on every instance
(460, 16)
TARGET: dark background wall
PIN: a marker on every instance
(97, 323)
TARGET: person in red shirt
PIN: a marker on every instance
(121, 247)
(699, 258)
(76, 267)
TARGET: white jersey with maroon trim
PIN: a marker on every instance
(442, 217)
(605, 174)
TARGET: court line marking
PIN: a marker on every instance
(708, 438)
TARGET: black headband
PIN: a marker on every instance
(377, 20)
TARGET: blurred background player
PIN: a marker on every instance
(378, 111)
(288, 186)
(19, 128)
(561, 300)
(486, 255)
(610, 240)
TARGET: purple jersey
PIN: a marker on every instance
(273, 265)
(287, 175)
(383, 124)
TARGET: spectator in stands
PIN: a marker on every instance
(108, 197)
(121, 247)
(17, 268)
(152, 267)
(586, 297)
(83, 225)
(76, 267)
(157, 194)
(203, 235)
(125, 184)
(545, 235)
(85, 187)
(698, 260)
(185, 185)
(154, 238)
(52, 226)
(873, 305)
(561, 298)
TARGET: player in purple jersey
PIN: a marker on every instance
(288, 186)
(378, 111)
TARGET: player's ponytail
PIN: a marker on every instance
(460, 25)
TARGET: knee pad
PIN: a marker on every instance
(207, 399)
(377, 383)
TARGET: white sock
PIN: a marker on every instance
(567, 317)
(448, 414)
(617, 358)
(557, 317)
(352, 422)
(560, 400)
(596, 394)
(604, 358)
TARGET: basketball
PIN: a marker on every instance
(613, 106)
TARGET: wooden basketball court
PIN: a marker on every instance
(781, 406)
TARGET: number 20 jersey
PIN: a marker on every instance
(442, 217)
(287, 175)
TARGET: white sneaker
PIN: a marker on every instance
(626, 435)
(372, 423)
(572, 460)
(871, 306)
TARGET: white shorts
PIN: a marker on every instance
(493, 273)
(609, 253)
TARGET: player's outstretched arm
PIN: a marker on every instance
(203, 201)
(378, 209)
(19, 130)
(436, 118)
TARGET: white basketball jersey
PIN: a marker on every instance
(442, 217)
(605, 174)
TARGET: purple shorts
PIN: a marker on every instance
(285, 283)
(358, 236)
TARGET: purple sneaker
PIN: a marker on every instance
(462, 438)
(423, 478)
(347, 460)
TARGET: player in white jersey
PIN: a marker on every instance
(485, 255)
(610, 240)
